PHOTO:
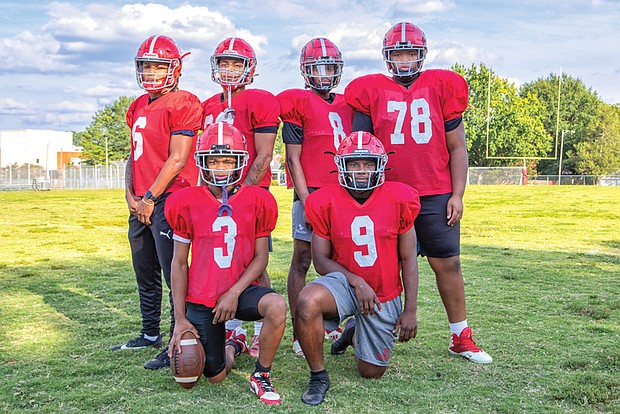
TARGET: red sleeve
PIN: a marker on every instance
(177, 215)
(454, 91)
(265, 110)
(289, 111)
(266, 213)
(356, 95)
(186, 114)
(409, 208)
(317, 213)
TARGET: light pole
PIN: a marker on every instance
(561, 151)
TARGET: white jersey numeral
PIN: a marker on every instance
(224, 258)
(137, 138)
(421, 125)
(367, 238)
(336, 123)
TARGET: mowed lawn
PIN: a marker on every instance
(542, 278)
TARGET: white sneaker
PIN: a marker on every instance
(297, 348)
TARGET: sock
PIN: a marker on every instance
(258, 325)
(151, 338)
(260, 368)
(236, 347)
(457, 328)
(319, 375)
(233, 324)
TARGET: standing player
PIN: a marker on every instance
(363, 237)
(315, 121)
(255, 113)
(163, 123)
(227, 226)
(418, 115)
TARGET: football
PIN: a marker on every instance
(188, 365)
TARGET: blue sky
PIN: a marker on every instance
(62, 61)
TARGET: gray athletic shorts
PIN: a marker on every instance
(300, 231)
(374, 340)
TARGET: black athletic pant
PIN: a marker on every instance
(151, 253)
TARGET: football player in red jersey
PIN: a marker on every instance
(315, 121)
(164, 123)
(363, 241)
(226, 225)
(255, 112)
(418, 116)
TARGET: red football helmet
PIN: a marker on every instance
(321, 64)
(158, 50)
(221, 140)
(234, 77)
(361, 145)
(404, 37)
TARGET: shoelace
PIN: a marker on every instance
(469, 343)
(265, 383)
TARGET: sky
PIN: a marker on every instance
(60, 62)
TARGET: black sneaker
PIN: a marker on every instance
(139, 343)
(315, 393)
(160, 361)
(341, 344)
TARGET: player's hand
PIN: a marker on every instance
(407, 323)
(454, 210)
(144, 210)
(180, 326)
(132, 204)
(366, 297)
(225, 307)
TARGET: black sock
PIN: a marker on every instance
(260, 368)
(319, 375)
(236, 346)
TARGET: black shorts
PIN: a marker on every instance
(436, 238)
(213, 337)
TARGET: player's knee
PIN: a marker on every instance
(309, 303)
(370, 371)
(218, 378)
(275, 309)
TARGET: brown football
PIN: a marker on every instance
(188, 365)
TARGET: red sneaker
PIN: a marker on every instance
(255, 348)
(333, 335)
(260, 384)
(465, 346)
(238, 336)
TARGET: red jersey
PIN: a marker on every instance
(324, 125)
(410, 122)
(254, 108)
(364, 237)
(222, 246)
(152, 124)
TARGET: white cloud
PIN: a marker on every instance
(9, 106)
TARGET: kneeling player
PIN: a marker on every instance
(227, 226)
(363, 236)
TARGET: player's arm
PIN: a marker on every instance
(323, 264)
(407, 322)
(264, 142)
(180, 148)
(179, 273)
(455, 140)
(362, 122)
(226, 305)
(130, 196)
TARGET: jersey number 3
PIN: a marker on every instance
(421, 125)
(223, 256)
(363, 234)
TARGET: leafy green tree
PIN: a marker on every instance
(579, 110)
(108, 123)
(599, 153)
(514, 122)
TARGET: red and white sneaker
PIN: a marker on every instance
(465, 346)
(333, 335)
(297, 348)
(255, 348)
(238, 336)
(260, 384)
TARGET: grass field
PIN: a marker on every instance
(542, 277)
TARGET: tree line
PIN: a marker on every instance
(505, 125)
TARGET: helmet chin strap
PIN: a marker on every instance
(225, 207)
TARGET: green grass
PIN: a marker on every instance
(542, 275)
